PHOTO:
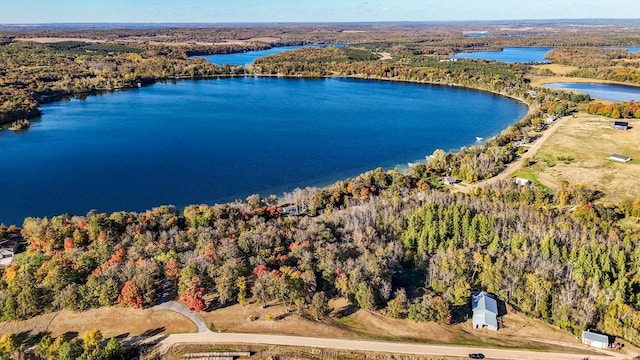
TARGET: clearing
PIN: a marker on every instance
(348, 322)
(578, 153)
(111, 321)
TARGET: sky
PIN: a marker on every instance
(225, 11)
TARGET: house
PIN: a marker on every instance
(485, 310)
(449, 180)
(532, 93)
(620, 125)
(289, 209)
(550, 119)
(292, 209)
(7, 250)
(522, 181)
(595, 340)
(619, 158)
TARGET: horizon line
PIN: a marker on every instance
(313, 22)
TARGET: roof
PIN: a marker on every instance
(485, 310)
(586, 334)
(6, 252)
(484, 301)
(450, 180)
(618, 157)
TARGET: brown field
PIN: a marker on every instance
(589, 140)
(558, 69)
(111, 321)
(519, 331)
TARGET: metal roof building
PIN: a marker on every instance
(596, 340)
(485, 310)
(619, 158)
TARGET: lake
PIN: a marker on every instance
(510, 55)
(610, 92)
(214, 141)
(628, 48)
(249, 57)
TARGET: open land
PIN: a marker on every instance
(585, 142)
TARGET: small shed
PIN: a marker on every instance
(485, 310)
(620, 125)
(522, 181)
(595, 340)
(619, 158)
(449, 180)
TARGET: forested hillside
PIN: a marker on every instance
(371, 237)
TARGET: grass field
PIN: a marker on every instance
(556, 68)
(347, 322)
(578, 153)
(111, 321)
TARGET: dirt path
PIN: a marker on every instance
(378, 346)
(512, 167)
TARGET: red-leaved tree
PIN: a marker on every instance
(130, 295)
(193, 295)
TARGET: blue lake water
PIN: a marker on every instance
(208, 141)
(510, 55)
(629, 48)
(611, 92)
(249, 57)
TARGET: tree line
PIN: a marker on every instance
(623, 110)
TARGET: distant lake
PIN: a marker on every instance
(209, 141)
(477, 34)
(510, 55)
(629, 48)
(246, 58)
(610, 92)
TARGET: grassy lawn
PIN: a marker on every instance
(578, 154)
(111, 321)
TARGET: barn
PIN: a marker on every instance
(595, 340)
(485, 310)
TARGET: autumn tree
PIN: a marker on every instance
(130, 295)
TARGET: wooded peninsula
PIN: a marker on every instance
(401, 244)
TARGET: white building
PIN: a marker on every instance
(485, 310)
(619, 158)
(595, 340)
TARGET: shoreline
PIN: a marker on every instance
(401, 166)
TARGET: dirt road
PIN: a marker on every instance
(377, 346)
(512, 167)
